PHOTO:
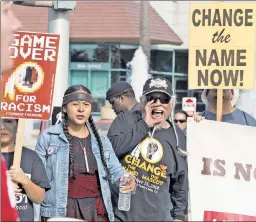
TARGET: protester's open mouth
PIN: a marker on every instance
(157, 113)
(80, 117)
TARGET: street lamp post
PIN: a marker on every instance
(58, 23)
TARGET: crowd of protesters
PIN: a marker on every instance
(76, 172)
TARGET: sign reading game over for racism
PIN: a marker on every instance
(27, 90)
(222, 45)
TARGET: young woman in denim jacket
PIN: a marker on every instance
(79, 163)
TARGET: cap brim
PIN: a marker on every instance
(157, 90)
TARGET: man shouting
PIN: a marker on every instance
(161, 193)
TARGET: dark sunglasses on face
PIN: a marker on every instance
(180, 120)
(113, 100)
(163, 99)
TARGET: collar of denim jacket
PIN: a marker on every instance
(58, 130)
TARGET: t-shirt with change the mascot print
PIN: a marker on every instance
(33, 167)
(154, 164)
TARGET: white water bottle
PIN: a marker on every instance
(124, 200)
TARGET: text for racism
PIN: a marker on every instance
(34, 47)
(222, 17)
(25, 104)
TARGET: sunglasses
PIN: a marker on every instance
(180, 120)
(162, 99)
(114, 100)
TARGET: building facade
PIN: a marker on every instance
(104, 37)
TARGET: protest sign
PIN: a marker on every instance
(222, 171)
(222, 45)
(27, 90)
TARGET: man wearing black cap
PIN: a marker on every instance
(162, 182)
(122, 98)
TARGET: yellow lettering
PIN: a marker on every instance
(157, 171)
(128, 159)
(143, 166)
(150, 168)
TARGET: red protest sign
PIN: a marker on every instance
(27, 90)
(221, 216)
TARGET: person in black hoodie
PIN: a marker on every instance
(162, 181)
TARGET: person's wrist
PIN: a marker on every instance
(148, 122)
(26, 181)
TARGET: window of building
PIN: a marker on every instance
(197, 94)
(181, 62)
(117, 76)
(181, 90)
(89, 53)
(126, 56)
(200, 106)
(181, 84)
(161, 61)
(115, 57)
(178, 106)
(97, 103)
(169, 77)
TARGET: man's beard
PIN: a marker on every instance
(159, 126)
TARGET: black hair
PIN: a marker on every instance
(73, 89)
(129, 93)
(207, 91)
(183, 112)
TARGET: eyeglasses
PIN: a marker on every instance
(114, 100)
(180, 120)
(163, 99)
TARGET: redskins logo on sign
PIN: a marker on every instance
(28, 77)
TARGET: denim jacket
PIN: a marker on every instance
(53, 149)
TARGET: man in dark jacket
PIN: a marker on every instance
(161, 193)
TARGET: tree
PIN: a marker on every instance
(145, 28)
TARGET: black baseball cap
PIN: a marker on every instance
(157, 84)
(117, 89)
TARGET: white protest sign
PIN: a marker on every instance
(222, 171)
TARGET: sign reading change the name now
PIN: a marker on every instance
(222, 45)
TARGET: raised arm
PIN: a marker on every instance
(125, 133)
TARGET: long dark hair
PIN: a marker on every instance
(73, 89)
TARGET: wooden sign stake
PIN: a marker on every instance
(219, 100)
(219, 104)
(19, 143)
